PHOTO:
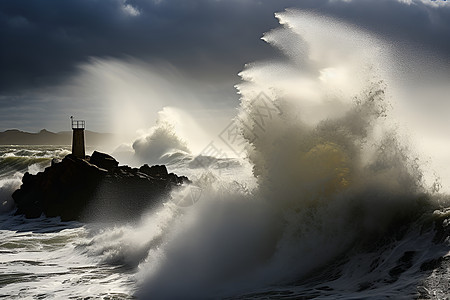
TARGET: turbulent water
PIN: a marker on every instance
(324, 200)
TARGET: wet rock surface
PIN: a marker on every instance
(95, 188)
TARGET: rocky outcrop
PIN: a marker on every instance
(103, 161)
(96, 188)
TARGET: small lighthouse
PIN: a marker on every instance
(78, 138)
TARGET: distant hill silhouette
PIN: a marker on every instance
(45, 137)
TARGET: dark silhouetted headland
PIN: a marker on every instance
(45, 137)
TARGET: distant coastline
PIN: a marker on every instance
(45, 137)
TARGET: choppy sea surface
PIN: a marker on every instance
(45, 258)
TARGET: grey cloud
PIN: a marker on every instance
(419, 24)
(43, 42)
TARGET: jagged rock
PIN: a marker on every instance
(156, 170)
(77, 189)
(103, 160)
(55, 161)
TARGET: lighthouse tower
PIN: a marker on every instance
(78, 138)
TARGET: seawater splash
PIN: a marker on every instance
(15, 161)
(161, 140)
(331, 169)
(340, 208)
(158, 144)
(330, 138)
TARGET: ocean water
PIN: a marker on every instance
(227, 239)
(323, 200)
(45, 258)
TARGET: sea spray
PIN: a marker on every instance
(156, 145)
(7, 187)
(15, 161)
(161, 140)
(333, 178)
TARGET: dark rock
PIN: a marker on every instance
(103, 160)
(27, 177)
(77, 189)
(431, 264)
(55, 161)
(155, 171)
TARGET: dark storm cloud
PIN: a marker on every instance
(42, 41)
(424, 24)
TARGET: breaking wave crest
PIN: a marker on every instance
(340, 204)
(159, 142)
(15, 161)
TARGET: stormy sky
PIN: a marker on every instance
(58, 58)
